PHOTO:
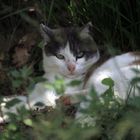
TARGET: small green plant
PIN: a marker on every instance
(105, 117)
(20, 77)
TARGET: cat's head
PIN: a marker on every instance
(69, 52)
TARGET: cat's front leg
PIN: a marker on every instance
(38, 99)
(41, 97)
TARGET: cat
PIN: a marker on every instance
(72, 54)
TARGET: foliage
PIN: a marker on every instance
(116, 26)
(105, 118)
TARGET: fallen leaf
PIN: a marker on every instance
(29, 40)
(21, 56)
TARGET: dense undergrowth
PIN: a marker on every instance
(105, 118)
(116, 28)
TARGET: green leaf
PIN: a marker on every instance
(39, 79)
(108, 81)
(48, 86)
(12, 102)
(135, 101)
(28, 122)
(12, 127)
(15, 73)
(17, 83)
(75, 83)
(40, 45)
(25, 72)
(135, 80)
(59, 86)
(136, 70)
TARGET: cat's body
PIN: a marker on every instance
(73, 43)
(70, 54)
(121, 70)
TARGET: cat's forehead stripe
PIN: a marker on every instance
(72, 37)
(67, 51)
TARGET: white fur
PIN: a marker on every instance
(118, 69)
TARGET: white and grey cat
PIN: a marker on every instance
(72, 53)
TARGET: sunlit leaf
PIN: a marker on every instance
(12, 127)
(28, 122)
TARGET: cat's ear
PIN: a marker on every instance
(86, 30)
(87, 27)
(46, 32)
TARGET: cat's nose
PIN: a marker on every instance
(71, 67)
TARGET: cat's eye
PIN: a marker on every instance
(80, 55)
(60, 56)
